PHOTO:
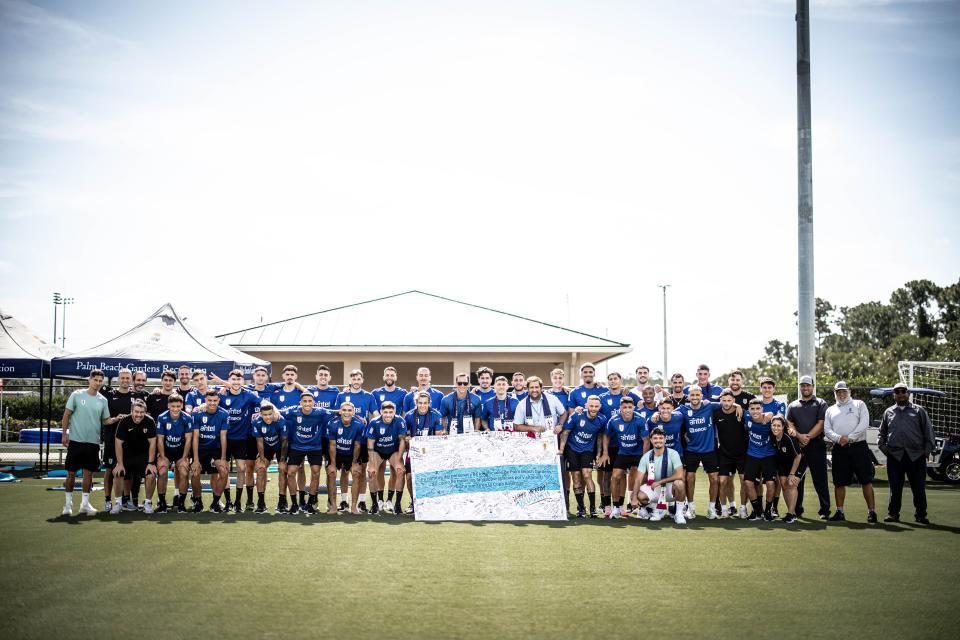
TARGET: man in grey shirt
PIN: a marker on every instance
(906, 438)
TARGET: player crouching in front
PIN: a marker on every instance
(660, 479)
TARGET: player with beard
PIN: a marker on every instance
(325, 397)
(424, 420)
(485, 389)
(84, 417)
(731, 452)
(184, 386)
(677, 395)
(239, 403)
(643, 381)
(578, 397)
(700, 449)
(136, 448)
(385, 442)
(366, 408)
(660, 469)
(389, 392)
(120, 402)
(270, 432)
(742, 398)
(610, 408)
(210, 426)
(629, 431)
(423, 386)
(519, 390)
(577, 446)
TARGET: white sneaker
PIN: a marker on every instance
(711, 512)
(615, 513)
(87, 509)
(380, 505)
(743, 512)
(657, 515)
(679, 519)
(116, 508)
(386, 506)
(691, 513)
(607, 511)
(147, 507)
(67, 510)
(641, 513)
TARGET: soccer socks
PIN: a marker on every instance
(261, 498)
(618, 503)
(226, 494)
(604, 501)
(592, 496)
(396, 505)
(390, 494)
(776, 503)
(68, 497)
(373, 497)
(250, 493)
(579, 497)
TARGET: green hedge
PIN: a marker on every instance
(28, 408)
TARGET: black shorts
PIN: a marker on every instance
(757, 468)
(852, 461)
(208, 460)
(692, 461)
(83, 455)
(314, 458)
(626, 461)
(109, 454)
(729, 465)
(345, 463)
(237, 450)
(364, 456)
(783, 469)
(135, 467)
(251, 448)
(608, 467)
(385, 454)
(325, 450)
(271, 454)
(577, 461)
(173, 455)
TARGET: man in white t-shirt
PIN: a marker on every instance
(659, 479)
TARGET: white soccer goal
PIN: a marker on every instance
(941, 376)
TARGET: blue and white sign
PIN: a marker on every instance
(486, 476)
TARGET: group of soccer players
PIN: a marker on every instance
(651, 440)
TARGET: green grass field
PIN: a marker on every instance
(268, 576)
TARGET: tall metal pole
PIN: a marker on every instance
(806, 307)
(56, 301)
(666, 373)
(63, 330)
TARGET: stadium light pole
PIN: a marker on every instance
(63, 326)
(56, 301)
(806, 303)
(665, 374)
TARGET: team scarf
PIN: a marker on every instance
(664, 461)
(426, 422)
(502, 414)
(467, 408)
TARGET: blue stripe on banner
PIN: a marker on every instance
(512, 477)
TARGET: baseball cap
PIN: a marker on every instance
(841, 386)
(767, 380)
(900, 385)
(806, 380)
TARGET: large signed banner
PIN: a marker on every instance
(486, 476)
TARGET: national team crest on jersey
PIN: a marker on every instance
(383, 430)
(299, 419)
(263, 430)
(583, 394)
(281, 397)
(204, 419)
(339, 431)
(583, 422)
(690, 413)
(622, 427)
(227, 401)
(348, 399)
(83, 401)
(382, 397)
(610, 402)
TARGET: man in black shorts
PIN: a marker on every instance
(270, 434)
(347, 436)
(805, 417)
(210, 424)
(731, 452)
(136, 448)
(761, 464)
(628, 432)
(790, 464)
(120, 401)
(83, 419)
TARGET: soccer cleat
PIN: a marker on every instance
(343, 506)
(374, 509)
(147, 507)
(162, 507)
(312, 508)
(381, 504)
(282, 505)
(768, 516)
(594, 514)
(641, 514)
(743, 512)
(107, 505)
(362, 507)
(180, 507)
(775, 512)
(837, 517)
(921, 520)
(388, 507)
(656, 516)
(261, 508)
(756, 516)
(711, 512)
(615, 513)
(294, 509)
(679, 518)
(789, 518)
(249, 506)
(198, 506)
(825, 516)
(236, 506)
(226, 508)
(581, 512)
(67, 510)
(691, 511)
(409, 511)
(116, 508)
(872, 517)
(216, 507)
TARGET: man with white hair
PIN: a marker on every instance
(845, 425)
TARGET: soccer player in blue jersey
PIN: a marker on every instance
(710, 391)
(773, 407)
(346, 434)
(392, 393)
(625, 435)
(497, 412)
(306, 426)
(485, 389)
(557, 387)
(610, 408)
(239, 403)
(270, 432)
(174, 445)
(424, 420)
(519, 390)
(325, 397)
(701, 448)
(197, 398)
(578, 397)
(366, 407)
(577, 446)
(460, 408)
(672, 423)
(210, 425)
(423, 386)
(385, 442)
(761, 462)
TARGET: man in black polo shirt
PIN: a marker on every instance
(906, 438)
(136, 448)
(805, 417)
(120, 403)
(731, 453)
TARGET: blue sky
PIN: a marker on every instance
(553, 159)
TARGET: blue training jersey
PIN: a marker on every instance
(610, 403)
(240, 407)
(775, 407)
(560, 395)
(386, 436)
(409, 400)
(382, 394)
(578, 397)
(454, 409)
(363, 401)
(270, 433)
(325, 398)
(627, 436)
(174, 431)
(346, 435)
(701, 432)
(486, 395)
(208, 426)
(307, 431)
(285, 400)
(710, 392)
(672, 429)
(583, 431)
(496, 411)
(195, 399)
(265, 394)
(760, 438)
(430, 424)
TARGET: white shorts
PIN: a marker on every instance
(652, 494)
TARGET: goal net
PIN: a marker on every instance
(941, 376)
